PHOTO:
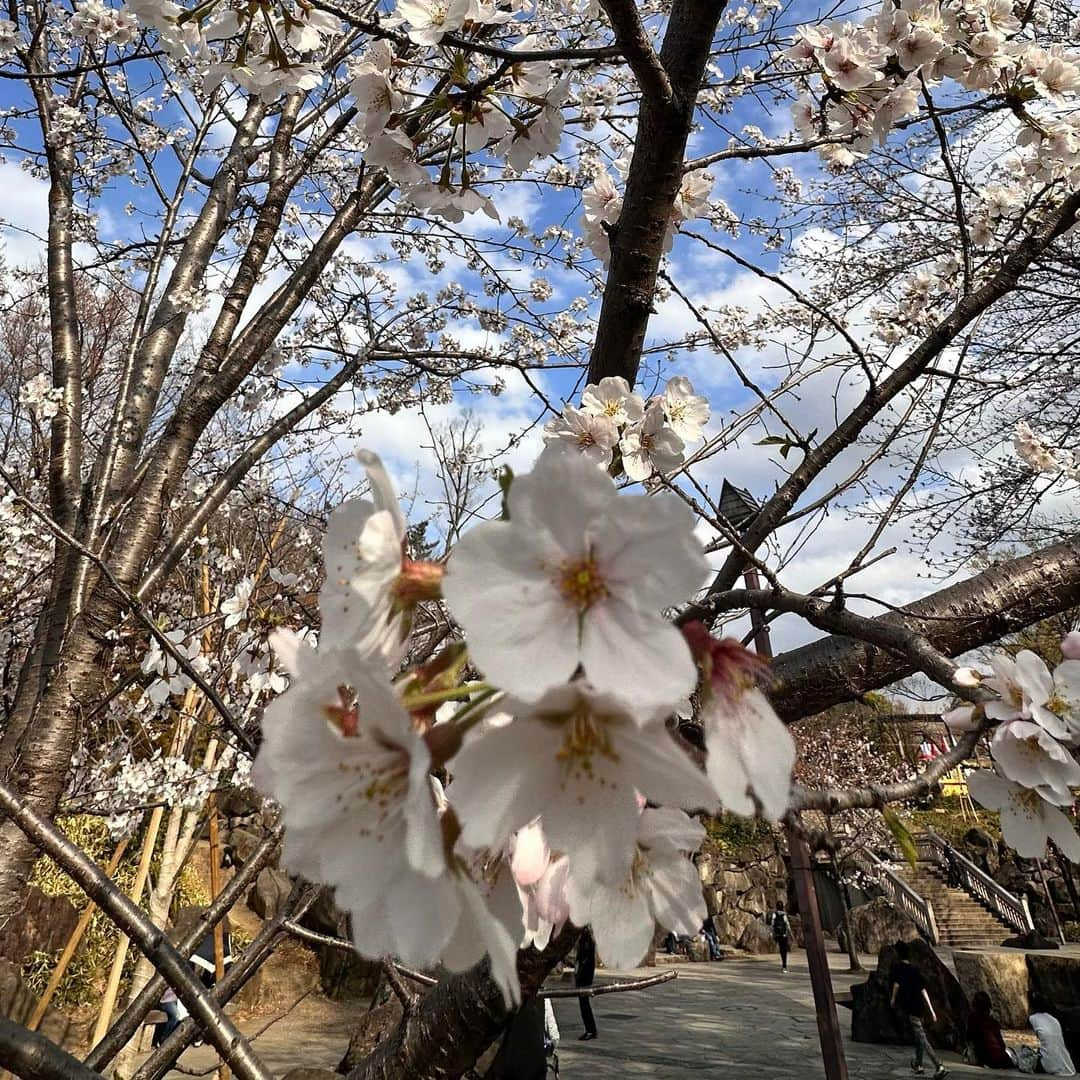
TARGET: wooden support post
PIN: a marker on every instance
(832, 1044)
(108, 1003)
(215, 890)
(1050, 900)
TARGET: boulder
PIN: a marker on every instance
(269, 892)
(17, 1003)
(1057, 979)
(731, 924)
(1031, 940)
(874, 1020)
(757, 939)
(697, 950)
(345, 976)
(1004, 976)
(877, 924)
(981, 848)
(43, 923)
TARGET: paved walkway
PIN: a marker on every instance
(737, 1018)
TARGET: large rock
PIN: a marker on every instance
(43, 923)
(874, 1020)
(269, 892)
(757, 939)
(1057, 979)
(1003, 975)
(877, 924)
(17, 1003)
(1031, 940)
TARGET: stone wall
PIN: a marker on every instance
(739, 896)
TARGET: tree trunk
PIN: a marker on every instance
(41, 759)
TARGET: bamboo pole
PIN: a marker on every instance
(112, 987)
(73, 943)
(215, 891)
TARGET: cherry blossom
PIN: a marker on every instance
(578, 576)
(371, 88)
(594, 437)
(650, 446)
(1028, 820)
(579, 758)
(370, 582)
(235, 607)
(750, 751)
(662, 886)
(1026, 753)
(686, 413)
(429, 20)
(612, 397)
(1070, 645)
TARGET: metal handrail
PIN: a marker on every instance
(900, 894)
(979, 884)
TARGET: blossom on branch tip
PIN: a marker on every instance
(594, 437)
(578, 577)
(750, 752)
(1028, 820)
(579, 758)
(662, 886)
(1028, 754)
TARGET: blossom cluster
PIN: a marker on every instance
(1043, 456)
(40, 396)
(457, 816)
(619, 430)
(875, 73)
(1037, 712)
(120, 785)
(603, 204)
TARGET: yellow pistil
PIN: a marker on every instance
(581, 582)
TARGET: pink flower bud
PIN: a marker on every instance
(727, 667)
(418, 580)
(1070, 645)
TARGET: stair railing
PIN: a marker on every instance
(978, 883)
(900, 894)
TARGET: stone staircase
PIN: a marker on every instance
(962, 922)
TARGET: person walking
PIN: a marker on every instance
(781, 932)
(909, 997)
(584, 974)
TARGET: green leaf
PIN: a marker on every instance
(902, 836)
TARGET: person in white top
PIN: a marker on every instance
(1054, 1059)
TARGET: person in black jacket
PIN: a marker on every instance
(584, 973)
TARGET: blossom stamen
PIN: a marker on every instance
(581, 582)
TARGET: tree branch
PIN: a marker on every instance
(32, 1056)
(634, 42)
(999, 601)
